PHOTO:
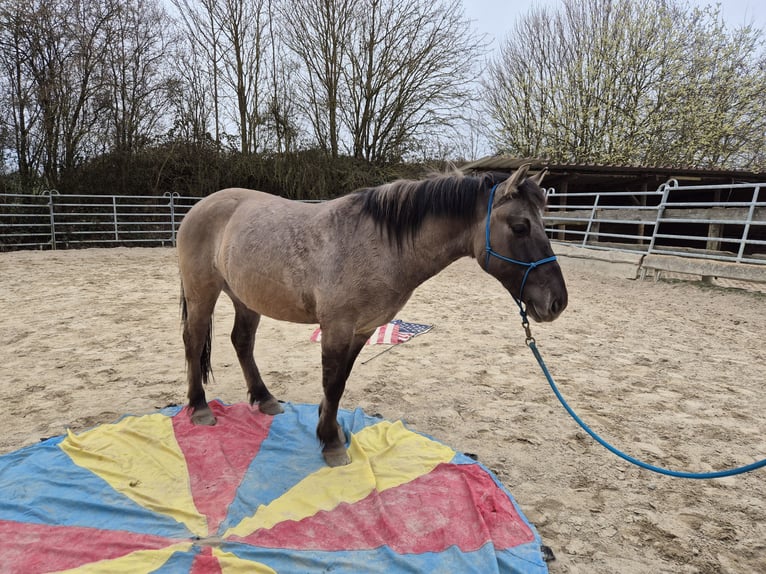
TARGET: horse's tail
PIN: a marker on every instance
(204, 360)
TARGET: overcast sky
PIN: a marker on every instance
(496, 17)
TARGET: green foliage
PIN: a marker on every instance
(645, 82)
(197, 171)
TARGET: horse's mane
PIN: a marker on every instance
(400, 207)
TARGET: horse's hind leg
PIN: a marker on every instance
(243, 338)
(197, 335)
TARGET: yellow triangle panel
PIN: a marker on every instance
(139, 562)
(140, 458)
(231, 564)
(384, 455)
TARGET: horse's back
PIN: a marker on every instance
(203, 228)
(204, 225)
(211, 213)
(256, 246)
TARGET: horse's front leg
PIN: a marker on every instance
(338, 356)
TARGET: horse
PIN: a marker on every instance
(350, 264)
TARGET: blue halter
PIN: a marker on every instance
(529, 265)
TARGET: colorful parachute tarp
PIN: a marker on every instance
(154, 493)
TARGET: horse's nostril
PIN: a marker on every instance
(557, 306)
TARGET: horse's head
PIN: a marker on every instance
(514, 248)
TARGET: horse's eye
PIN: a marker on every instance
(520, 229)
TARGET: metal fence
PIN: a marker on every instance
(54, 221)
(724, 223)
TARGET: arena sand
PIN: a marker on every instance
(672, 372)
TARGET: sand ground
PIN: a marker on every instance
(672, 372)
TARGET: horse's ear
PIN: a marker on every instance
(510, 184)
(538, 179)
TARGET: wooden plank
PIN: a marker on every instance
(716, 213)
(723, 214)
(633, 217)
(637, 215)
(705, 267)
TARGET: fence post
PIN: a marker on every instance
(665, 189)
(746, 230)
(49, 193)
(114, 218)
(171, 203)
(714, 230)
(590, 222)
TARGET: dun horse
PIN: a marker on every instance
(351, 264)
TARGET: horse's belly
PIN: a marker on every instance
(285, 312)
(276, 301)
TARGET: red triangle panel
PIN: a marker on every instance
(452, 505)
(219, 456)
(37, 548)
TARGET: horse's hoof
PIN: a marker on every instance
(270, 406)
(336, 457)
(203, 416)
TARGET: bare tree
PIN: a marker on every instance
(412, 64)
(37, 51)
(596, 82)
(243, 27)
(281, 117)
(203, 33)
(135, 79)
(77, 70)
(381, 77)
(239, 45)
(317, 33)
(89, 35)
(193, 99)
(52, 54)
(19, 115)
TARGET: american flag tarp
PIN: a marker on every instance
(393, 333)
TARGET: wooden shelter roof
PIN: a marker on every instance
(601, 177)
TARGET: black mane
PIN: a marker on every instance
(401, 207)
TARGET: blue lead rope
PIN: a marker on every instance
(680, 474)
(533, 346)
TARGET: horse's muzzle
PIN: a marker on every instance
(545, 311)
(546, 300)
